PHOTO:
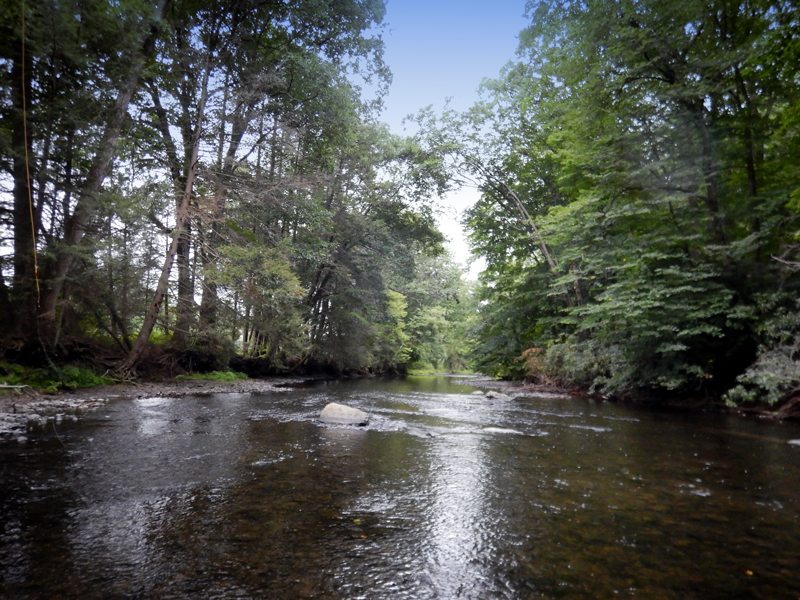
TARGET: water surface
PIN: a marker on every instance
(444, 495)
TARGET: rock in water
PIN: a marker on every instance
(501, 430)
(339, 414)
(497, 395)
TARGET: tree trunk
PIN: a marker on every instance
(710, 169)
(184, 309)
(24, 293)
(6, 308)
(77, 223)
(751, 114)
(240, 119)
(209, 299)
(128, 367)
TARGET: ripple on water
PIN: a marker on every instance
(442, 495)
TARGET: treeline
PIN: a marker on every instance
(640, 177)
(207, 174)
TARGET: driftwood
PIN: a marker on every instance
(20, 389)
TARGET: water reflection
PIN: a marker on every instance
(457, 545)
(444, 495)
(151, 419)
(342, 441)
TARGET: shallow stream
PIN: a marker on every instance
(445, 494)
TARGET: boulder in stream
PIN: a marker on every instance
(497, 395)
(339, 414)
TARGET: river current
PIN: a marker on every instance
(445, 494)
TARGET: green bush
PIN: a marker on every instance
(212, 351)
(775, 375)
(53, 379)
(771, 379)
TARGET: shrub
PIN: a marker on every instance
(53, 379)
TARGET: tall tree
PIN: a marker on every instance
(261, 56)
(63, 103)
(652, 142)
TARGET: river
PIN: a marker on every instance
(445, 494)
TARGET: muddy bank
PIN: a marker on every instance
(24, 409)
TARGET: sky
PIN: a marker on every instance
(443, 48)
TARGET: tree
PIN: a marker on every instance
(217, 152)
(254, 52)
(651, 142)
(441, 315)
(61, 103)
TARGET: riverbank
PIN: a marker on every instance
(22, 409)
(789, 410)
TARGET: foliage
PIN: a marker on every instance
(53, 379)
(638, 175)
(441, 317)
(234, 134)
(775, 375)
(208, 349)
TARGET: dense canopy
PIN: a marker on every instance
(211, 177)
(639, 169)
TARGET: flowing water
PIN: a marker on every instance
(445, 495)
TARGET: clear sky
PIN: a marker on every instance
(443, 48)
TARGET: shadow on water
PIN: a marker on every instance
(444, 495)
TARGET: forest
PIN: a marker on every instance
(184, 184)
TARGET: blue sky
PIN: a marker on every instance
(442, 48)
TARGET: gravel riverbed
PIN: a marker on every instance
(24, 410)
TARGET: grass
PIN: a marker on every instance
(215, 376)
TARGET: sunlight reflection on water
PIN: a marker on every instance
(444, 495)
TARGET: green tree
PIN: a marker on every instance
(652, 144)
(69, 73)
(255, 58)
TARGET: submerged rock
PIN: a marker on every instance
(502, 430)
(497, 395)
(339, 414)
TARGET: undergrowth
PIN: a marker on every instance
(51, 380)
